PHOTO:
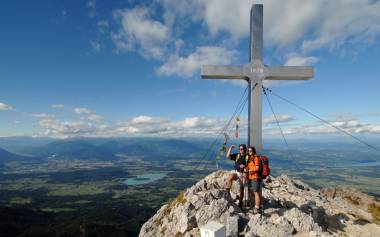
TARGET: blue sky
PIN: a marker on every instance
(131, 68)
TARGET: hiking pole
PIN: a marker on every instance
(246, 192)
(262, 201)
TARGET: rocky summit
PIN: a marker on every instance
(292, 208)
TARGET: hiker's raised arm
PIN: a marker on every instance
(228, 154)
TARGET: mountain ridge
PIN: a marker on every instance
(71, 149)
(293, 208)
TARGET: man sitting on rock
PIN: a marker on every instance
(238, 173)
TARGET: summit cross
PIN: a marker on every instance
(254, 73)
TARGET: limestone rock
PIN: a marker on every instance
(291, 208)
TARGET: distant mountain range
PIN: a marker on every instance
(71, 149)
(153, 147)
(13, 144)
(106, 149)
(6, 156)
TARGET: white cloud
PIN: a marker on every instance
(297, 60)
(283, 23)
(127, 130)
(95, 46)
(317, 23)
(91, 6)
(281, 118)
(188, 66)
(345, 21)
(41, 115)
(4, 106)
(228, 16)
(138, 126)
(296, 26)
(146, 120)
(196, 122)
(352, 126)
(179, 11)
(293, 59)
(139, 32)
(194, 127)
(82, 110)
(103, 26)
(57, 106)
(93, 117)
(57, 128)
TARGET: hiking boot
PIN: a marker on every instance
(227, 195)
(237, 198)
(255, 211)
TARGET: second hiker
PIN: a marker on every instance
(254, 170)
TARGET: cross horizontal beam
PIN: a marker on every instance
(263, 72)
(223, 72)
(289, 73)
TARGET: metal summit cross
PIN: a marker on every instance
(254, 73)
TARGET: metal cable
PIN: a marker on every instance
(222, 130)
(325, 121)
(279, 126)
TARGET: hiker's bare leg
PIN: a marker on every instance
(257, 199)
(241, 194)
(231, 177)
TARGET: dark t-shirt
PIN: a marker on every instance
(239, 160)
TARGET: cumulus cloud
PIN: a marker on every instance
(297, 60)
(305, 25)
(137, 126)
(193, 127)
(103, 26)
(91, 6)
(57, 106)
(139, 32)
(288, 22)
(182, 12)
(57, 128)
(41, 115)
(353, 126)
(4, 106)
(88, 114)
(187, 127)
(79, 110)
(95, 45)
(146, 120)
(315, 23)
(228, 16)
(345, 21)
(187, 66)
(93, 117)
(281, 118)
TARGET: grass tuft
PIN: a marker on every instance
(375, 212)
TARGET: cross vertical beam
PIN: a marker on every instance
(256, 35)
(255, 81)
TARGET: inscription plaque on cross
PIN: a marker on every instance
(254, 73)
